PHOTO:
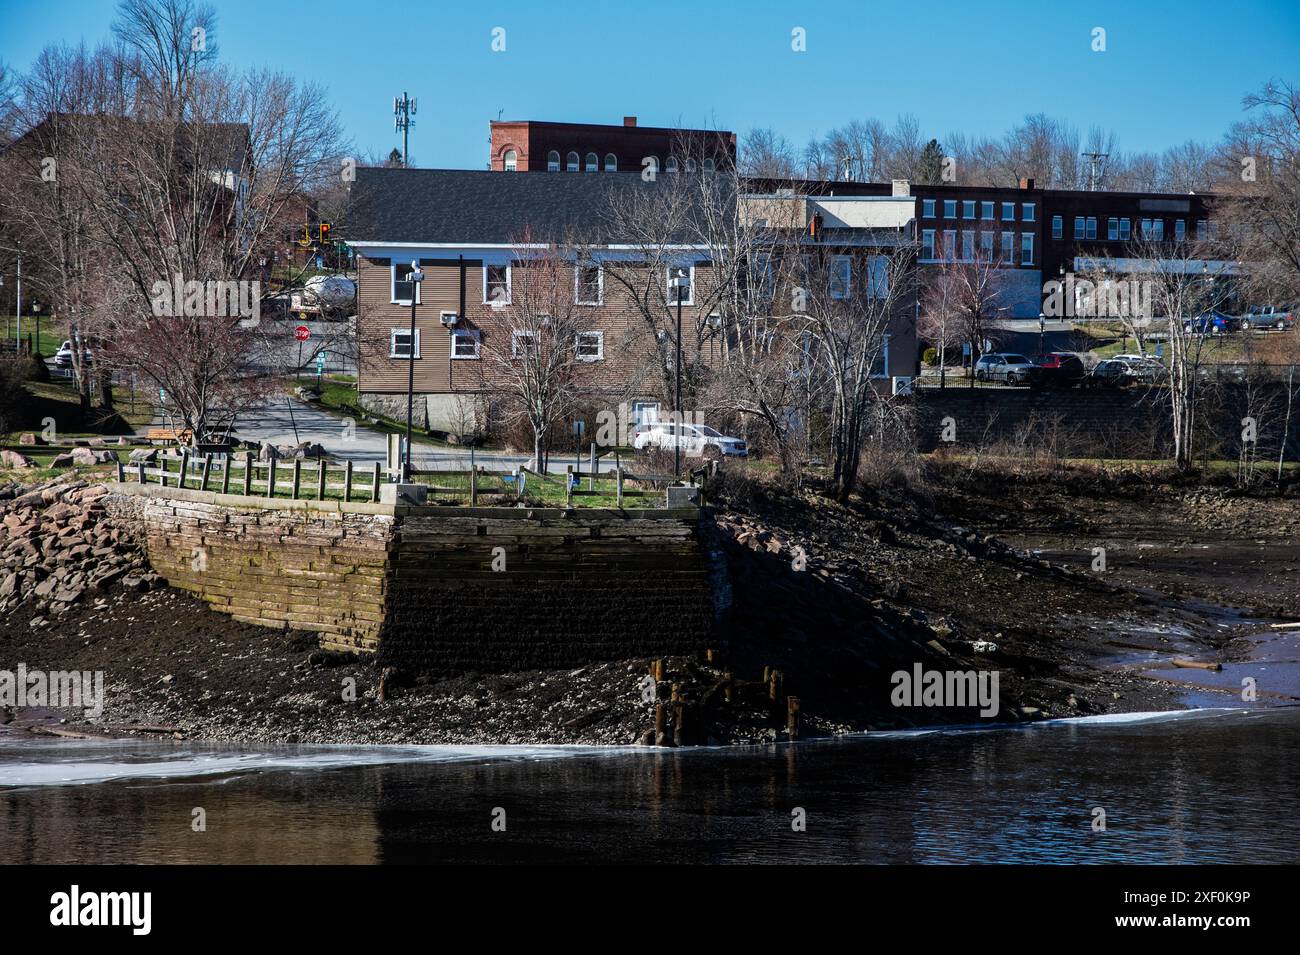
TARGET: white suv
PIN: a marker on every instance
(693, 439)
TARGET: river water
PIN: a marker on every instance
(1215, 785)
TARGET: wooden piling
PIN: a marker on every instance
(661, 725)
(320, 479)
(792, 716)
(248, 473)
(347, 480)
(297, 476)
(729, 687)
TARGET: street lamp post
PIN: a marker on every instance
(1042, 326)
(36, 311)
(679, 283)
(415, 278)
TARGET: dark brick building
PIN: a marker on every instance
(532, 146)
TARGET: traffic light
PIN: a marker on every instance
(324, 233)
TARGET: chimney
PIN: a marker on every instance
(1026, 184)
(629, 120)
(902, 187)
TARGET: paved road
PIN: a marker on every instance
(288, 421)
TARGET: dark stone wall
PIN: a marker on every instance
(574, 589)
(1131, 422)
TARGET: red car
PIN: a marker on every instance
(1057, 369)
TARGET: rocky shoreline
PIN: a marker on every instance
(880, 586)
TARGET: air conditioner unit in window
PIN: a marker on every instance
(902, 386)
(449, 319)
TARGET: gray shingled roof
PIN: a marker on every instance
(472, 206)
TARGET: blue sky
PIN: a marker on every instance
(1172, 71)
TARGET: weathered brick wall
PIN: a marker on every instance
(418, 584)
(286, 564)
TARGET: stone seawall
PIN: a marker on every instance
(445, 589)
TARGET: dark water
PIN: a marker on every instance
(1198, 787)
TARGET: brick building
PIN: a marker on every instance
(533, 146)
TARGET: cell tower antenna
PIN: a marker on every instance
(1096, 168)
(403, 110)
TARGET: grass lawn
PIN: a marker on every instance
(57, 399)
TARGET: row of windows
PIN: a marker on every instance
(587, 346)
(1120, 229)
(588, 285)
(1028, 210)
(592, 163)
(948, 250)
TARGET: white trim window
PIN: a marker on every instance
(400, 287)
(986, 245)
(1058, 227)
(877, 277)
(1008, 212)
(967, 245)
(950, 208)
(927, 208)
(1091, 230)
(553, 161)
(880, 367)
(571, 162)
(1112, 229)
(496, 284)
(841, 277)
(1026, 248)
(464, 343)
(986, 209)
(510, 161)
(1180, 230)
(949, 249)
(1029, 210)
(522, 343)
(1009, 248)
(593, 163)
(671, 164)
(968, 208)
(927, 245)
(707, 165)
(611, 162)
(1125, 230)
(589, 346)
(399, 343)
(588, 285)
(1080, 225)
(681, 271)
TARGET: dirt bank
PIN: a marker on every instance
(834, 599)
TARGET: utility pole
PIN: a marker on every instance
(403, 110)
(1096, 164)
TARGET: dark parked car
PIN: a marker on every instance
(1057, 369)
(1211, 323)
(1008, 368)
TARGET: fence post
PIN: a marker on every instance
(473, 487)
(225, 473)
(248, 473)
(140, 471)
(185, 465)
(591, 478)
(374, 486)
(320, 479)
(618, 479)
(347, 480)
(120, 475)
(270, 477)
(568, 486)
(207, 466)
(297, 476)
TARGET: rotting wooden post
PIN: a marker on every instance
(658, 670)
(121, 475)
(374, 484)
(185, 466)
(618, 478)
(297, 476)
(270, 477)
(711, 655)
(767, 675)
(473, 486)
(792, 716)
(207, 467)
(661, 725)
(248, 473)
(568, 486)
(347, 480)
(774, 688)
(729, 687)
(225, 473)
(676, 693)
(140, 471)
(320, 479)
(680, 729)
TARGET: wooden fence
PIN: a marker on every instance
(302, 479)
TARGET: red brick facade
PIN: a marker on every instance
(541, 146)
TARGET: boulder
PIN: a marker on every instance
(12, 460)
(146, 456)
(268, 452)
(28, 438)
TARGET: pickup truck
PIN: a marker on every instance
(1268, 316)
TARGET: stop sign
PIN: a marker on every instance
(302, 333)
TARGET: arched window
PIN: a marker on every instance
(510, 160)
(552, 161)
(708, 165)
(690, 165)
(593, 162)
(611, 162)
(671, 164)
(571, 163)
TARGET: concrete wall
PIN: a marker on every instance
(418, 584)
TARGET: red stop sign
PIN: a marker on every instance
(302, 333)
